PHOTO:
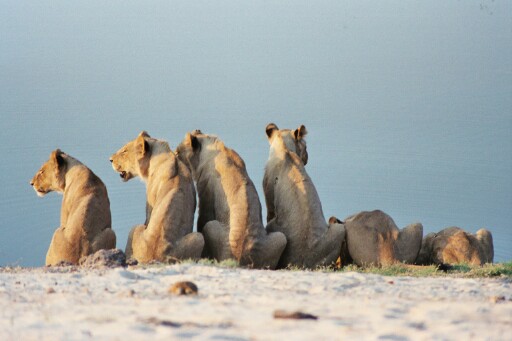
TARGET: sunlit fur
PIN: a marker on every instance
(293, 203)
(170, 201)
(373, 239)
(229, 207)
(453, 245)
(294, 142)
(85, 222)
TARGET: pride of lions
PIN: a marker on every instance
(230, 224)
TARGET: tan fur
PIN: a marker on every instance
(294, 142)
(171, 201)
(454, 245)
(293, 203)
(229, 207)
(372, 238)
(85, 221)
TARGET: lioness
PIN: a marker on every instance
(293, 203)
(85, 222)
(374, 239)
(229, 207)
(171, 201)
(454, 245)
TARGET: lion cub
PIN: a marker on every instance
(171, 201)
(293, 204)
(454, 245)
(85, 222)
(229, 207)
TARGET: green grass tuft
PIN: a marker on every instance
(228, 263)
(459, 270)
(492, 270)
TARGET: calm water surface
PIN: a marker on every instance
(408, 106)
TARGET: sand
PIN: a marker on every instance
(238, 304)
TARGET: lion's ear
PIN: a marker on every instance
(269, 130)
(300, 132)
(144, 134)
(56, 156)
(194, 142)
(141, 145)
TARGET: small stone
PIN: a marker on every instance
(63, 263)
(391, 282)
(131, 262)
(127, 293)
(183, 288)
(165, 323)
(296, 315)
(50, 290)
(497, 299)
(444, 267)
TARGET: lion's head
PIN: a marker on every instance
(133, 158)
(51, 176)
(189, 149)
(293, 140)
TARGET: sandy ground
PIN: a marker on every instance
(238, 304)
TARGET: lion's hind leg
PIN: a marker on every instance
(61, 249)
(327, 250)
(136, 245)
(216, 237)
(189, 247)
(106, 239)
(268, 250)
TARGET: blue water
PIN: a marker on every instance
(408, 105)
